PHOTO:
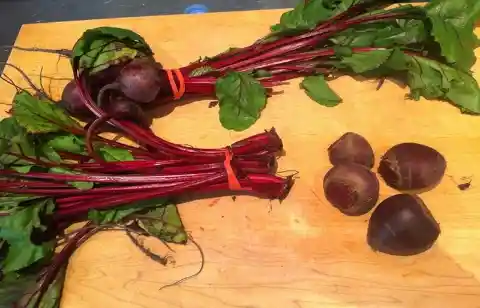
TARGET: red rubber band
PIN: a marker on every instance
(233, 182)
(178, 92)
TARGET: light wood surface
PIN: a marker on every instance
(301, 253)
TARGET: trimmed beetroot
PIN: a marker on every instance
(412, 166)
(140, 80)
(402, 225)
(351, 188)
(351, 148)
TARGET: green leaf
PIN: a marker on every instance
(400, 32)
(111, 216)
(9, 161)
(23, 253)
(361, 62)
(66, 143)
(115, 154)
(117, 214)
(13, 287)
(409, 32)
(48, 152)
(11, 201)
(261, 74)
(22, 169)
(453, 24)
(51, 144)
(318, 90)
(79, 185)
(40, 116)
(53, 295)
(434, 80)
(99, 48)
(105, 53)
(358, 37)
(396, 62)
(343, 51)
(9, 129)
(165, 223)
(14, 140)
(241, 99)
(308, 14)
(16, 229)
(200, 71)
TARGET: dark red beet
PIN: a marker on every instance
(412, 166)
(402, 225)
(351, 188)
(125, 109)
(351, 148)
(72, 101)
(141, 80)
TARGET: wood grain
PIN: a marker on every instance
(301, 253)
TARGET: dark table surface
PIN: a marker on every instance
(14, 13)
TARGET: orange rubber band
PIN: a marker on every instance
(233, 182)
(173, 85)
(181, 80)
(178, 92)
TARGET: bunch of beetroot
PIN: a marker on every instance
(116, 74)
(56, 172)
(401, 224)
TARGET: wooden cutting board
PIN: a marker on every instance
(301, 253)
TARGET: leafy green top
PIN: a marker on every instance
(40, 116)
(425, 77)
(99, 48)
(453, 24)
(17, 230)
(308, 14)
(317, 89)
(242, 98)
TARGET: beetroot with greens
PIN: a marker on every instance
(56, 172)
(318, 39)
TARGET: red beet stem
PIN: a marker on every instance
(355, 10)
(114, 200)
(101, 178)
(128, 166)
(172, 166)
(147, 137)
(33, 160)
(59, 261)
(74, 195)
(267, 140)
(95, 125)
(263, 185)
(257, 52)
